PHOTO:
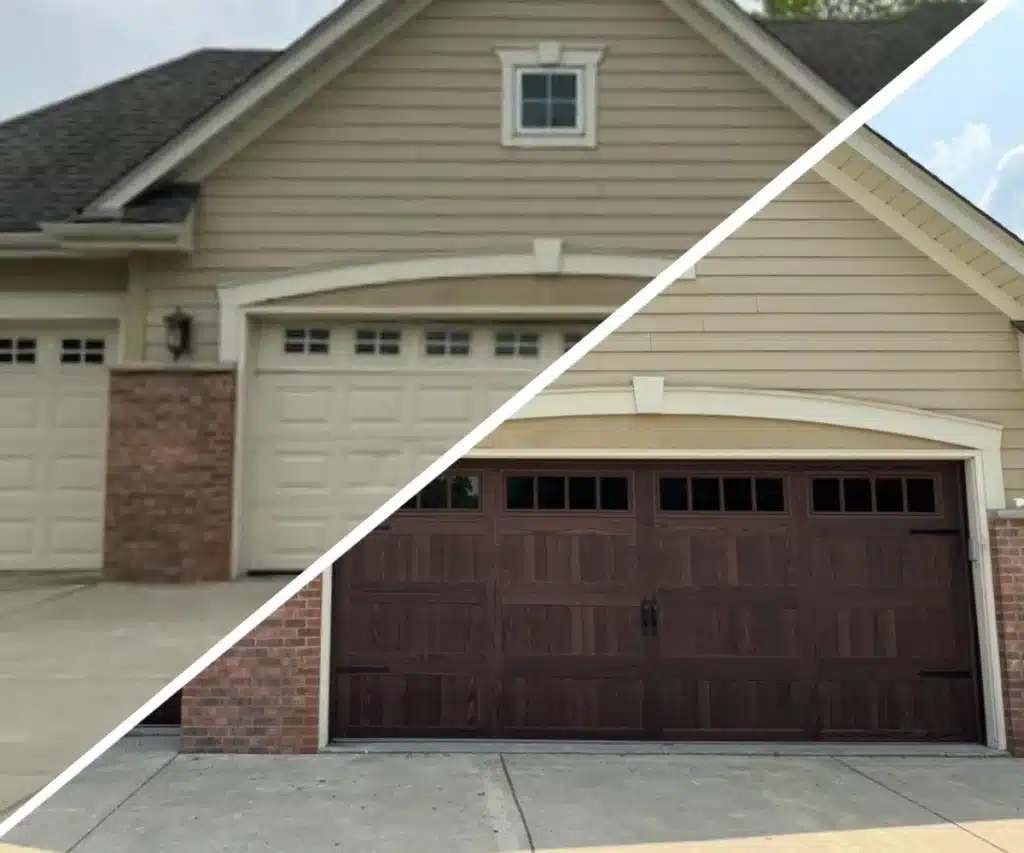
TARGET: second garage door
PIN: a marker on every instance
(666, 601)
(340, 416)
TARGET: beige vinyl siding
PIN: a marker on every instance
(688, 433)
(58, 274)
(860, 314)
(401, 155)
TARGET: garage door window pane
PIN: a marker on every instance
(615, 494)
(441, 342)
(673, 494)
(771, 494)
(738, 493)
(706, 494)
(826, 495)
(307, 341)
(82, 350)
(464, 491)
(435, 495)
(889, 494)
(519, 493)
(551, 493)
(378, 342)
(920, 495)
(857, 495)
(17, 350)
(510, 344)
(583, 493)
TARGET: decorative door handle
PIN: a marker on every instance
(645, 616)
(654, 617)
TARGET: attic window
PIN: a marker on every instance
(550, 95)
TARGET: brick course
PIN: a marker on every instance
(262, 696)
(170, 458)
(1007, 535)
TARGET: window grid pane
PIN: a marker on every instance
(441, 342)
(307, 341)
(549, 100)
(378, 341)
(82, 350)
(510, 344)
(17, 350)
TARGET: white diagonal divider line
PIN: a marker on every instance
(749, 209)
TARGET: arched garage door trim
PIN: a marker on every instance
(547, 259)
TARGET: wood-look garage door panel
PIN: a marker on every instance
(418, 608)
(765, 619)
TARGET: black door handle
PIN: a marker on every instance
(654, 617)
(645, 616)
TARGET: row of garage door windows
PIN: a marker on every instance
(24, 350)
(549, 492)
(437, 342)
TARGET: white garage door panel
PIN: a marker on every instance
(53, 428)
(332, 435)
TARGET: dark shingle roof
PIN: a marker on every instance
(857, 58)
(56, 160)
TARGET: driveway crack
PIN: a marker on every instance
(515, 799)
(914, 802)
(123, 800)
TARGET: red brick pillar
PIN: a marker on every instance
(262, 696)
(1007, 534)
(170, 458)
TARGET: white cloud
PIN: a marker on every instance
(964, 159)
(1003, 198)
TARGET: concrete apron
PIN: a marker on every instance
(78, 656)
(144, 796)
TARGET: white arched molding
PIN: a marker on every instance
(547, 258)
(649, 395)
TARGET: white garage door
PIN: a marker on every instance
(341, 416)
(53, 433)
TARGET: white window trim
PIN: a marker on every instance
(550, 56)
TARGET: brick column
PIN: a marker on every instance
(262, 696)
(1007, 535)
(170, 458)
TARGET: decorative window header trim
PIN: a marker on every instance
(553, 56)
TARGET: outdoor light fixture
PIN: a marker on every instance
(178, 333)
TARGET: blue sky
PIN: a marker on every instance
(964, 120)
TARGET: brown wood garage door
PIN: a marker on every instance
(663, 600)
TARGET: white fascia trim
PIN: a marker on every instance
(235, 299)
(865, 142)
(549, 55)
(980, 436)
(303, 53)
(86, 237)
(974, 280)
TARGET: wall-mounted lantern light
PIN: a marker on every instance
(178, 333)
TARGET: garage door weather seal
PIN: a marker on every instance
(749, 209)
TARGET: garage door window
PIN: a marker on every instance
(378, 342)
(887, 495)
(441, 342)
(17, 350)
(509, 344)
(450, 492)
(307, 341)
(82, 350)
(721, 494)
(573, 493)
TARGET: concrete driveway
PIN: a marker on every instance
(144, 797)
(78, 656)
